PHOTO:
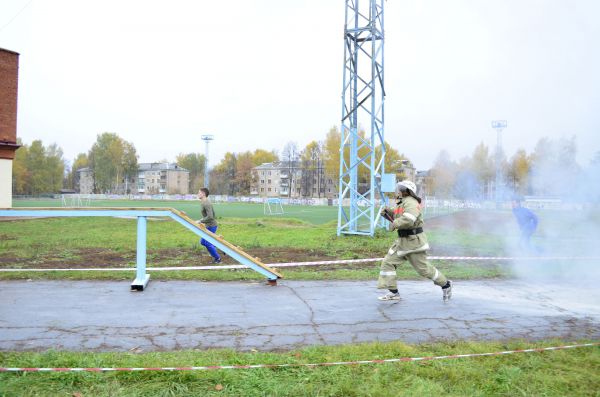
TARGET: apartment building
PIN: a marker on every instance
(292, 179)
(424, 182)
(162, 178)
(84, 181)
(152, 178)
(405, 170)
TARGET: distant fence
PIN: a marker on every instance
(431, 205)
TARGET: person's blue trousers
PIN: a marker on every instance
(211, 248)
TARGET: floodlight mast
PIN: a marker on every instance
(498, 125)
(206, 139)
(362, 153)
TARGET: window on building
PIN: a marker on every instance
(262, 189)
(314, 189)
(262, 181)
(269, 189)
(275, 190)
(269, 181)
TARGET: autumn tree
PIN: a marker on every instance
(244, 176)
(393, 161)
(38, 169)
(113, 161)
(518, 171)
(443, 175)
(467, 184)
(482, 164)
(261, 156)
(21, 175)
(551, 161)
(331, 151)
(223, 175)
(195, 163)
(54, 168)
(36, 161)
(290, 156)
(311, 159)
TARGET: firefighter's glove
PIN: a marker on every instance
(387, 214)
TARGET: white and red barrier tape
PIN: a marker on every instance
(317, 263)
(326, 364)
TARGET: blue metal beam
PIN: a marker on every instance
(72, 212)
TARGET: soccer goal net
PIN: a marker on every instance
(273, 206)
(76, 200)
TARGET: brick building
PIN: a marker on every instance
(9, 77)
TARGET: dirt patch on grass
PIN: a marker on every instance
(105, 258)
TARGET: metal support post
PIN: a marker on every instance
(141, 277)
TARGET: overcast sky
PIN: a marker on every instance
(260, 73)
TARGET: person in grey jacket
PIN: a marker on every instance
(208, 219)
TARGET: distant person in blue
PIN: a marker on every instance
(208, 219)
(527, 221)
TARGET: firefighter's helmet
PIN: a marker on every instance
(406, 185)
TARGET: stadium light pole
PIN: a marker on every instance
(206, 139)
(498, 125)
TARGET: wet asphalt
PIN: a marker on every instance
(177, 315)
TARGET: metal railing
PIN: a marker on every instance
(142, 278)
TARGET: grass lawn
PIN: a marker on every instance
(111, 242)
(97, 242)
(555, 373)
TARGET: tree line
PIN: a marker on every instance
(317, 160)
(39, 169)
(551, 164)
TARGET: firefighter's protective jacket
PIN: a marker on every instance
(408, 216)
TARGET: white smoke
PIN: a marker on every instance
(569, 221)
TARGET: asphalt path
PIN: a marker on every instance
(175, 315)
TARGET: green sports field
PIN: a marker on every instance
(316, 215)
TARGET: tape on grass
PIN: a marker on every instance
(315, 263)
(294, 365)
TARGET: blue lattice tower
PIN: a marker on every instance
(362, 149)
